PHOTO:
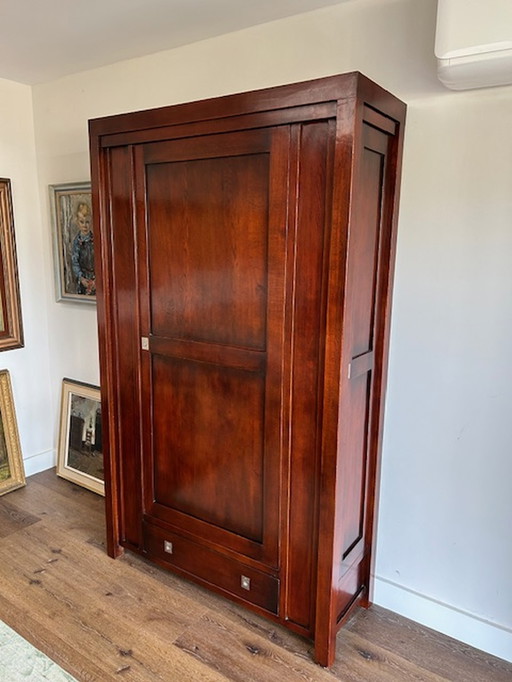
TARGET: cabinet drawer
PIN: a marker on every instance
(210, 567)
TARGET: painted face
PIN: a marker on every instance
(84, 222)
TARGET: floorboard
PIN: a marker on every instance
(127, 619)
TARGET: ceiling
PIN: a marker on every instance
(41, 40)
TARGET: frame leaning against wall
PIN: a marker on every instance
(80, 454)
(12, 474)
(11, 329)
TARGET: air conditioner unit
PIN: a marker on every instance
(473, 43)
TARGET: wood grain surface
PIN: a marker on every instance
(102, 619)
(244, 277)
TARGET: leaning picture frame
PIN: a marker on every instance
(11, 328)
(80, 451)
(73, 239)
(12, 473)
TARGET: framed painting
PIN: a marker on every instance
(11, 330)
(75, 277)
(80, 453)
(12, 474)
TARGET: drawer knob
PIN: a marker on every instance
(167, 547)
(245, 582)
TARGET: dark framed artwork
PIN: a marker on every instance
(12, 474)
(11, 329)
(73, 242)
(80, 453)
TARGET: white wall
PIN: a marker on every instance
(28, 366)
(443, 548)
(446, 503)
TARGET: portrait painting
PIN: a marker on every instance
(12, 474)
(80, 455)
(73, 242)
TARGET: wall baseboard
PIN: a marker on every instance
(40, 462)
(490, 637)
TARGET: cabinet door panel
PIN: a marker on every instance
(208, 448)
(208, 248)
(215, 234)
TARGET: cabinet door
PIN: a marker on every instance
(212, 243)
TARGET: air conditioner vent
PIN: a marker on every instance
(474, 43)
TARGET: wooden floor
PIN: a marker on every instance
(109, 620)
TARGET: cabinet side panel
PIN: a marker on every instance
(125, 351)
(363, 258)
(355, 437)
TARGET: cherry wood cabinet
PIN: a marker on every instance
(244, 250)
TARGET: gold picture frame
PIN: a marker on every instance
(71, 206)
(80, 453)
(11, 329)
(12, 473)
